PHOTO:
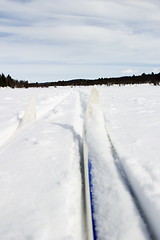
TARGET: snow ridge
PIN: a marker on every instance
(132, 189)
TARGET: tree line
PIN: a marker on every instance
(8, 81)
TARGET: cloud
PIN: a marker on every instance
(79, 38)
(129, 71)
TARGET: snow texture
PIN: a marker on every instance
(41, 178)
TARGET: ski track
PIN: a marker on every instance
(35, 200)
(135, 138)
(124, 177)
(41, 186)
(44, 107)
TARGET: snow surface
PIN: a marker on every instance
(41, 193)
(133, 122)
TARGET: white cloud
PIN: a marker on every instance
(91, 37)
(129, 71)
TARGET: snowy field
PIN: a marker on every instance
(41, 176)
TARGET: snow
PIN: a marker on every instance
(41, 180)
(133, 122)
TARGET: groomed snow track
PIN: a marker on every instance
(105, 203)
(40, 180)
(92, 125)
(31, 115)
(131, 189)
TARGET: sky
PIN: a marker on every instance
(55, 40)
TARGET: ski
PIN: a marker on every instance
(91, 224)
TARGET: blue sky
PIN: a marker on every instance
(67, 39)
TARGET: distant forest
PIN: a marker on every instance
(8, 81)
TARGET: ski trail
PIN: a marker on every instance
(124, 177)
(50, 104)
(41, 189)
(75, 127)
(33, 113)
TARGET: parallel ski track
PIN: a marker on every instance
(120, 170)
(77, 149)
(124, 177)
(58, 103)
